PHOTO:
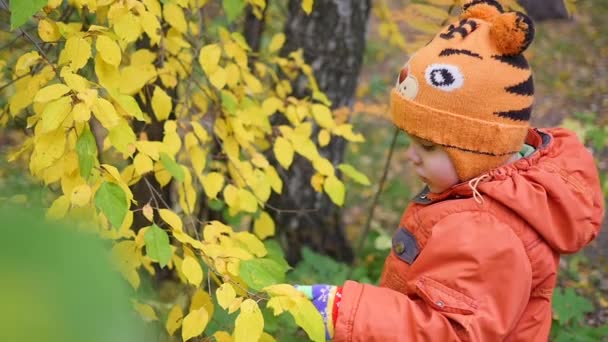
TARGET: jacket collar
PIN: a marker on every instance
(537, 138)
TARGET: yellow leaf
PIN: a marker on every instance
(250, 323)
(174, 319)
(187, 193)
(200, 132)
(143, 57)
(316, 182)
(48, 30)
(192, 270)
(149, 148)
(127, 27)
(254, 85)
(54, 113)
(323, 166)
(175, 17)
(266, 338)
(307, 6)
(218, 78)
(209, 58)
(222, 336)
(161, 104)
(253, 244)
(171, 218)
(122, 137)
(346, 131)
(335, 189)
(146, 311)
(151, 26)
(194, 323)
(277, 42)
(81, 195)
(106, 113)
(283, 151)
(306, 316)
(78, 52)
(25, 62)
(214, 230)
(59, 208)
(231, 195)
(74, 81)
(323, 137)
(275, 181)
(143, 164)
(213, 182)
(134, 77)
(271, 105)
(153, 6)
(148, 212)
(199, 159)
(247, 201)
(225, 295)
(323, 116)
(108, 50)
(201, 299)
(233, 75)
(108, 75)
(264, 226)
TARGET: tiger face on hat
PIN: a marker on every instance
(470, 90)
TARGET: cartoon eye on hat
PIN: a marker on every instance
(407, 84)
(444, 77)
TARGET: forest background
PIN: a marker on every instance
(222, 148)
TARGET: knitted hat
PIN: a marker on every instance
(470, 89)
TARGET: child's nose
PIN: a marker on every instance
(412, 156)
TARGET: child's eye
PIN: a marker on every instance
(428, 147)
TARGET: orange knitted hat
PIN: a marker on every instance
(470, 89)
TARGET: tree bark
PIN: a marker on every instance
(545, 9)
(333, 40)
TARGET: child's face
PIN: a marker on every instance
(432, 165)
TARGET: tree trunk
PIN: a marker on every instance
(333, 40)
(545, 9)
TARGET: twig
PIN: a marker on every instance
(378, 192)
(13, 81)
(370, 216)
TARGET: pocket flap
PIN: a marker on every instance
(443, 298)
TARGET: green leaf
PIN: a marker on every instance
(275, 253)
(259, 273)
(157, 245)
(86, 148)
(111, 200)
(568, 305)
(22, 10)
(355, 175)
(233, 8)
(229, 101)
(216, 204)
(174, 169)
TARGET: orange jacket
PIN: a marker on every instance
(463, 268)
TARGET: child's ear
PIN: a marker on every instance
(512, 32)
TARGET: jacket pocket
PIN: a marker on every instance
(456, 306)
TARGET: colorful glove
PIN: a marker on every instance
(326, 298)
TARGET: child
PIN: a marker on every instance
(477, 252)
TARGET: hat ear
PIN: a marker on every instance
(481, 9)
(512, 32)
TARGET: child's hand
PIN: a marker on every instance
(326, 298)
